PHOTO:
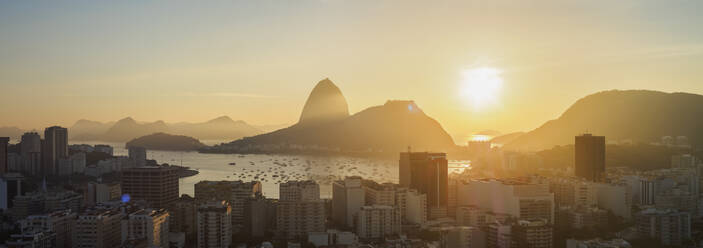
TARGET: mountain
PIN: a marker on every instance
(221, 128)
(639, 115)
(325, 104)
(506, 138)
(167, 142)
(391, 127)
(13, 132)
(128, 128)
(87, 130)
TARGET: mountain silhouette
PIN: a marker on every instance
(325, 104)
(167, 142)
(391, 127)
(637, 115)
(221, 128)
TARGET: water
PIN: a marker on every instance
(270, 170)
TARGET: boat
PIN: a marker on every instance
(233, 163)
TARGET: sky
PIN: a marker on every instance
(257, 61)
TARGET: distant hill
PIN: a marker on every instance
(638, 115)
(13, 132)
(390, 127)
(128, 128)
(221, 128)
(87, 130)
(507, 138)
(167, 142)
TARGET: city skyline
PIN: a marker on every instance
(194, 63)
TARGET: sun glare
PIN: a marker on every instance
(481, 86)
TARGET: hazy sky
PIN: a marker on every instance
(257, 60)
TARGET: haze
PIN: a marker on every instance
(258, 60)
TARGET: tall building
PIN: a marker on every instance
(260, 217)
(214, 225)
(412, 206)
(236, 193)
(295, 219)
(427, 173)
(138, 155)
(62, 223)
(30, 153)
(150, 225)
(377, 222)
(669, 227)
(183, 217)
(99, 228)
(533, 234)
(464, 237)
(379, 194)
(10, 187)
(4, 142)
(590, 157)
(157, 185)
(299, 190)
(300, 210)
(55, 147)
(347, 199)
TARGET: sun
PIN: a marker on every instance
(481, 86)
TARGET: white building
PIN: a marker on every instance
(616, 198)
(377, 221)
(347, 199)
(518, 198)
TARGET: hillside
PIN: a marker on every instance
(391, 127)
(167, 142)
(638, 115)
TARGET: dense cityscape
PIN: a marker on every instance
(351, 124)
(52, 197)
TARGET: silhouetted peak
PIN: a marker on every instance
(325, 103)
(127, 120)
(221, 119)
(402, 105)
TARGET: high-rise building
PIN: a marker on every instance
(590, 157)
(101, 192)
(99, 228)
(347, 199)
(412, 205)
(10, 187)
(55, 147)
(183, 217)
(62, 223)
(294, 219)
(464, 237)
(379, 194)
(30, 153)
(377, 222)
(299, 190)
(236, 193)
(427, 173)
(646, 194)
(260, 216)
(214, 225)
(157, 185)
(533, 233)
(150, 225)
(300, 210)
(669, 227)
(4, 142)
(138, 155)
